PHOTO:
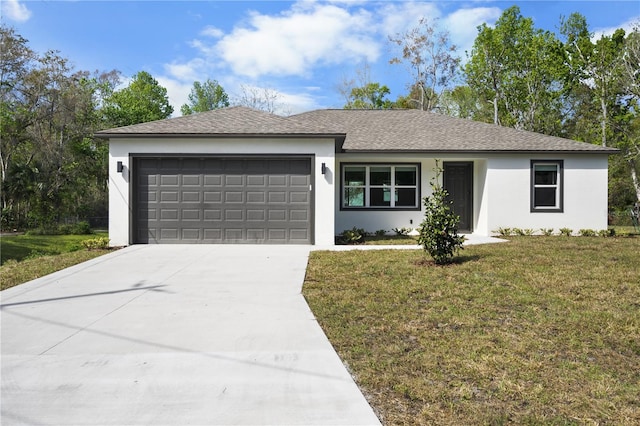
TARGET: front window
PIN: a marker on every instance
(546, 186)
(380, 186)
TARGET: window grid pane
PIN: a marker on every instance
(546, 193)
(380, 186)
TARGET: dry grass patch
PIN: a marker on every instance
(541, 330)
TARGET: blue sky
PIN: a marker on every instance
(302, 50)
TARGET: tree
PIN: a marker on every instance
(432, 61)
(143, 100)
(517, 69)
(439, 229)
(205, 97)
(261, 98)
(52, 168)
(598, 65)
(371, 96)
(603, 92)
(459, 102)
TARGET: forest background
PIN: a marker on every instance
(570, 84)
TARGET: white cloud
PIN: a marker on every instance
(211, 31)
(463, 25)
(295, 41)
(627, 26)
(398, 18)
(177, 91)
(15, 11)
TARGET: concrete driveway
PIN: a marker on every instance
(169, 335)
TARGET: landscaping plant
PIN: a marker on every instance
(439, 229)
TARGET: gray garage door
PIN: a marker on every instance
(222, 200)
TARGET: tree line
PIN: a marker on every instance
(516, 75)
(52, 169)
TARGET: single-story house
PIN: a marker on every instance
(237, 175)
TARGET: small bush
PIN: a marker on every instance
(607, 232)
(353, 236)
(519, 232)
(402, 231)
(505, 232)
(439, 229)
(81, 228)
(96, 243)
(587, 233)
(546, 231)
(567, 232)
(528, 232)
(381, 232)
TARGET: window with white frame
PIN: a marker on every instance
(547, 186)
(380, 186)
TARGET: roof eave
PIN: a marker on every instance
(608, 151)
(218, 135)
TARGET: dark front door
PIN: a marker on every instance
(458, 182)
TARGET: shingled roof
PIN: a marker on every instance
(362, 131)
(416, 130)
(232, 121)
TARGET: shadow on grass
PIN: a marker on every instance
(458, 260)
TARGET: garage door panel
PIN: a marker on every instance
(212, 197)
(191, 214)
(298, 216)
(234, 197)
(215, 215)
(191, 196)
(223, 200)
(257, 180)
(191, 180)
(169, 234)
(213, 235)
(231, 215)
(256, 215)
(233, 180)
(256, 197)
(277, 197)
(169, 214)
(190, 234)
(214, 181)
(169, 196)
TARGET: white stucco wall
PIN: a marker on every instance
(585, 193)
(119, 183)
(501, 193)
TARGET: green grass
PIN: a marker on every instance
(391, 240)
(27, 257)
(13, 272)
(540, 330)
(20, 247)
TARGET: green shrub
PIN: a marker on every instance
(519, 232)
(546, 231)
(96, 243)
(381, 232)
(353, 236)
(81, 228)
(587, 233)
(505, 232)
(566, 232)
(607, 232)
(439, 229)
(402, 231)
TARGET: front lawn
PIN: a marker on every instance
(20, 247)
(540, 330)
(27, 257)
